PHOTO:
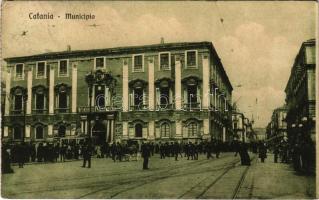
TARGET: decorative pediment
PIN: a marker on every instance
(164, 82)
(191, 80)
(18, 90)
(61, 88)
(100, 77)
(138, 83)
(39, 89)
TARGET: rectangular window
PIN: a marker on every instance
(138, 63)
(40, 69)
(99, 63)
(63, 101)
(138, 96)
(18, 102)
(19, 71)
(191, 59)
(164, 61)
(39, 101)
(63, 68)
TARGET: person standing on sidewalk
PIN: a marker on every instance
(145, 154)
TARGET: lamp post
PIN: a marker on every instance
(89, 78)
(25, 99)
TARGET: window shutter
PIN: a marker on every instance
(185, 96)
(158, 95)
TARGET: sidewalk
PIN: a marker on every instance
(276, 180)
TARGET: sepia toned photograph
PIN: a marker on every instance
(158, 99)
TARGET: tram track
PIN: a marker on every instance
(181, 166)
(216, 180)
(149, 179)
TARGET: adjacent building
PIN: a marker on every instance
(154, 92)
(301, 95)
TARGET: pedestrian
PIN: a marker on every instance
(176, 150)
(162, 150)
(242, 149)
(113, 151)
(262, 152)
(33, 153)
(145, 154)
(20, 154)
(62, 152)
(5, 160)
(208, 149)
(119, 151)
(87, 153)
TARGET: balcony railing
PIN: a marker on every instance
(16, 112)
(139, 107)
(39, 111)
(192, 106)
(165, 106)
(62, 110)
(86, 109)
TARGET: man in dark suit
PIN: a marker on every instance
(87, 153)
(145, 154)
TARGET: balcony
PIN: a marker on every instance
(165, 106)
(62, 110)
(139, 107)
(16, 112)
(192, 106)
(39, 111)
(86, 109)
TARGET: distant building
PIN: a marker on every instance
(277, 128)
(260, 133)
(152, 92)
(301, 95)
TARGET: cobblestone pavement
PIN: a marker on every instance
(214, 178)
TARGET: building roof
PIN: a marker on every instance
(123, 50)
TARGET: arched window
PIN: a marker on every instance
(192, 129)
(165, 129)
(39, 132)
(138, 130)
(61, 131)
(17, 133)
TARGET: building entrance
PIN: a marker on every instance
(99, 133)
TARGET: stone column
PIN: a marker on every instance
(125, 130)
(206, 128)
(151, 129)
(125, 86)
(224, 134)
(74, 87)
(178, 133)
(151, 86)
(50, 130)
(51, 89)
(178, 84)
(27, 131)
(206, 73)
(5, 131)
(29, 90)
(8, 87)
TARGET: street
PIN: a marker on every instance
(202, 178)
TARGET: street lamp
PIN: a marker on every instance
(89, 79)
(25, 99)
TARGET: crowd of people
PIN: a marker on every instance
(22, 153)
(300, 155)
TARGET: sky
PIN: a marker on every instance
(256, 41)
